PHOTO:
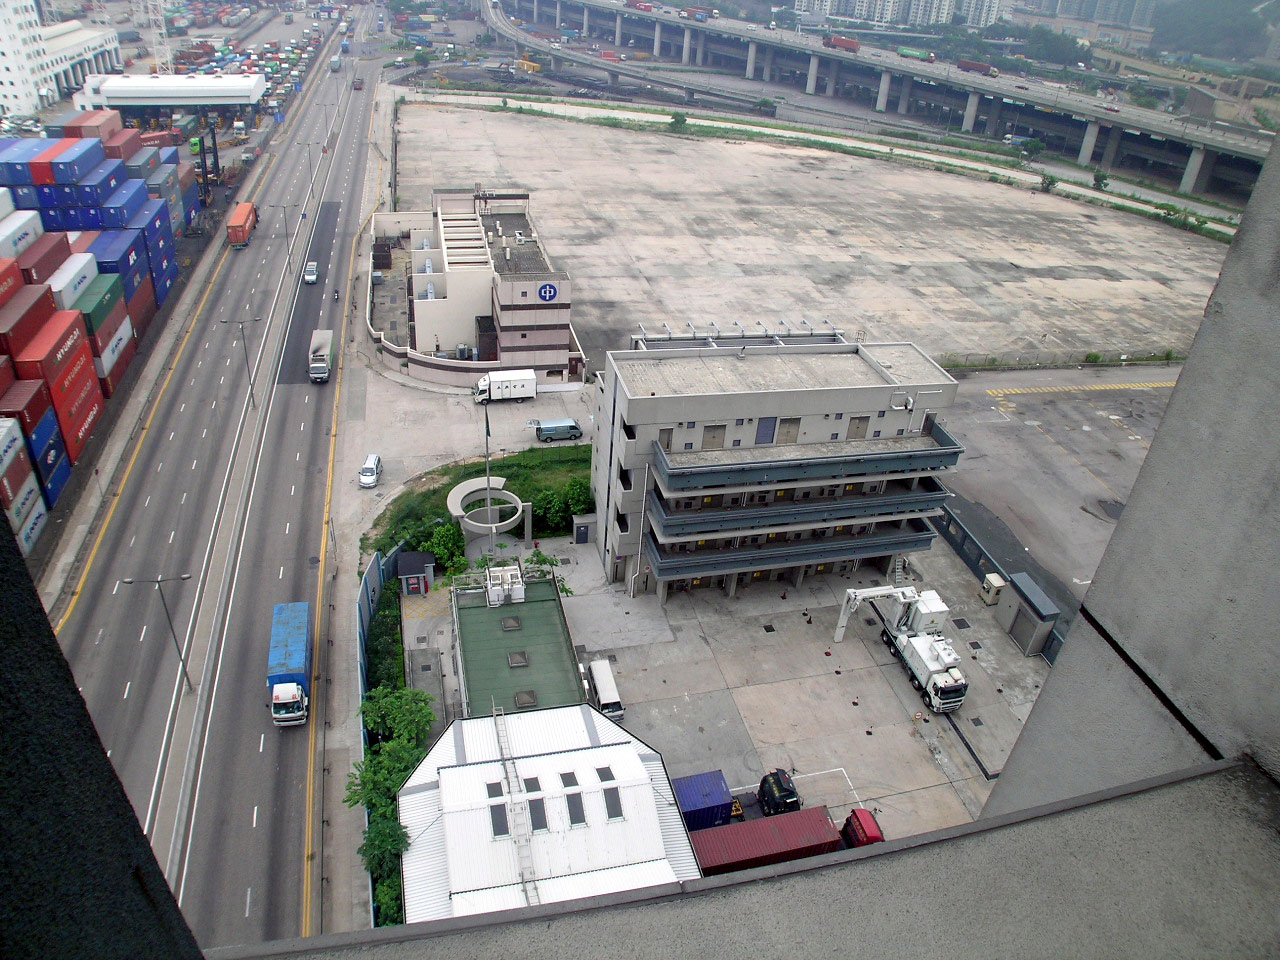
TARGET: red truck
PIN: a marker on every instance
(240, 226)
(973, 66)
(610, 56)
(842, 43)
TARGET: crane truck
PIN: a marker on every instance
(911, 627)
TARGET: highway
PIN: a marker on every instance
(230, 489)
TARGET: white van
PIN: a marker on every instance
(604, 692)
(371, 472)
(311, 272)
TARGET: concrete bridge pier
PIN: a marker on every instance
(971, 112)
(904, 98)
(688, 47)
(1085, 157)
(617, 30)
(766, 73)
(751, 60)
(1199, 168)
(811, 84)
(1112, 148)
(882, 98)
(833, 77)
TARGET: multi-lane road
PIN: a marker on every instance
(232, 490)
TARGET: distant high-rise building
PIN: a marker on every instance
(931, 11)
(1126, 13)
(981, 13)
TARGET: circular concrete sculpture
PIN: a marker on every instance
(469, 491)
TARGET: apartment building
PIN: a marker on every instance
(40, 65)
(732, 462)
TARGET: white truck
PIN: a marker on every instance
(320, 358)
(517, 385)
(911, 627)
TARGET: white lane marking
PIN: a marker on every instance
(126, 689)
(142, 634)
(222, 380)
(262, 739)
(302, 426)
(248, 898)
(170, 434)
(298, 456)
(159, 466)
(171, 533)
(255, 817)
(131, 539)
(281, 577)
(291, 490)
(98, 639)
(147, 502)
(215, 405)
(116, 588)
(184, 498)
(228, 361)
(193, 464)
(204, 432)
(306, 399)
(183, 407)
(286, 527)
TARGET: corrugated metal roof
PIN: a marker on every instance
(455, 865)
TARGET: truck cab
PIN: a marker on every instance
(778, 794)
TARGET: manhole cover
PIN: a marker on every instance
(974, 645)
(975, 721)
(426, 668)
(768, 628)
(961, 623)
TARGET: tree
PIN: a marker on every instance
(578, 498)
(1047, 183)
(388, 895)
(385, 839)
(550, 512)
(397, 714)
(766, 107)
(1033, 148)
(678, 122)
(374, 781)
(448, 543)
(1100, 180)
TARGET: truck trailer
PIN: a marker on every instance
(911, 53)
(517, 385)
(842, 43)
(320, 358)
(289, 664)
(758, 843)
(911, 627)
(240, 227)
(704, 800)
(974, 66)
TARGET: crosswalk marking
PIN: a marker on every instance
(1010, 391)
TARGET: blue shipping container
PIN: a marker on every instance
(57, 482)
(136, 277)
(56, 195)
(100, 183)
(151, 219)
(704, 800)
(43, 433)
(25, 197)
(77, 160)
(118, 251)
(125, 204)
(51, 218)
(15, 167)
(47, 460)
(160, 247)
(91, 218)
(168, 155)
(75, 219)
(163, 287)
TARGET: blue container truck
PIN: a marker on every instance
(704, 800)
(289, 664)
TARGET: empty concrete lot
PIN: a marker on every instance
(656, 228)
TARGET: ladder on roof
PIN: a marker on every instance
(521, 827)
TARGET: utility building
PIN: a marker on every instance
(44, 64)
(732, 461)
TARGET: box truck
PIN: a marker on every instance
(289, 664)
(320, 360)
(517, 385)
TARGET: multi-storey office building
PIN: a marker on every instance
(730, 462)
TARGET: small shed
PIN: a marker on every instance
(1027, 613)
(416, 571)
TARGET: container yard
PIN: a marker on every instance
(89, 221)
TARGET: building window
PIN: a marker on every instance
(538, 814)
(524, 293)
(568, 779)
(498, 819)
(612, 803)
(531, 785)
(690, 424)
(901, 432)
(879, 413)
(738, 422)
(737, 443)
(664, 439)
(577, 815)
(835, 436)
(524, 336)
(839, 416)
(494, 790)
(875, 434)
(688, 446)
(604, 773)
(765, 429)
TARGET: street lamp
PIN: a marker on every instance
(288, 233)
(173, 633)
(244, 342)
(310, 166)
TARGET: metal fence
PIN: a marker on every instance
(1146, 357)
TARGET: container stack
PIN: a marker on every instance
(88, 222)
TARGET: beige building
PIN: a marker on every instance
(735, 461)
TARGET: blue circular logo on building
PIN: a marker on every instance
(547, 292)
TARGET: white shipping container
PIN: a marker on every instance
(104, 364)
(24, 501)
(6, 202)
(10, 441)
(18, 231)
(32, 527)
(70, 280)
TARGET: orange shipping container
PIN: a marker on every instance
(240, 226)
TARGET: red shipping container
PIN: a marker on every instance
(27, 401)
(7, 376)
(54, 348)
(42, 259)
(102, 338)
(41, 164)
(142, 308)
(12, 480)
(123, 145)
(757, 843)
(103, 124)
(82, 243)
(186, 175)
(111, 383)
(76, 433)
(10, 279)
(73, 129)
(23, 317)
(79, 386)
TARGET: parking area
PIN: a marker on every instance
(756, 683)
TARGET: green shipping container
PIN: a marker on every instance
(99, 299)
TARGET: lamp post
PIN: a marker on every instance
(244, 342)
(173, 633)
(288, 232)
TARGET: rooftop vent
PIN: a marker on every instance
(517, 658)
(510, 623)
(526, 699)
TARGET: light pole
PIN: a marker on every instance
(310, 166)
(173, 633)
(288, 233)
(244, 342)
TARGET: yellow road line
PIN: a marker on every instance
(1010, 391)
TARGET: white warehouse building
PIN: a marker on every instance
(41, 65)
(542, 806)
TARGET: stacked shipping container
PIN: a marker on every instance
(87, 253)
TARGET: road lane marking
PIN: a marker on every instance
(298, 457)
(98, 639)
(193, 464)
(126, 689)
(147, 502)
(171, 533)
(286, 527)
(255, 816)
(221, 380)
(1163, 384)
(204, 433)
(170, 434)
(159, 466)
(143, 633)
(183, 407)
(302, 426)
(116, 588)
(184, 498)
(248, 898)
(131, 539)
(292, 490)
(281, 577)
(262, 739)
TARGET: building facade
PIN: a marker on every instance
(41, 65)
(981, 13)
(732, 462)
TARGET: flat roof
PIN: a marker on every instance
(526, 257)
(716, 370)
(793, 451)
(188, 88)
(536, 628)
